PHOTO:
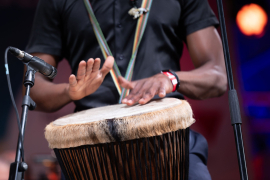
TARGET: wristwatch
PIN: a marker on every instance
(173, 77)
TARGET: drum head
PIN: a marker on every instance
(119, 123)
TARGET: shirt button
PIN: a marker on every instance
(119, 25)
(120, 58)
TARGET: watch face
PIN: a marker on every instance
(174, 81)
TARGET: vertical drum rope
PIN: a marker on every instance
(158, 158)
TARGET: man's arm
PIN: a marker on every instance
(207, 80)
(50, 97)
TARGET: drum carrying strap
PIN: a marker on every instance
(141, 25)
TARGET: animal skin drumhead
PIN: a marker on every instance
(119, 123)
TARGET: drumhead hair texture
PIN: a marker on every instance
(119, 123)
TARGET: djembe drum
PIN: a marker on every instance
(119, 142)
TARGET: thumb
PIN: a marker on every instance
(72, 80)
(107, 66)
(125, 83)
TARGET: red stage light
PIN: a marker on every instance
(251, 20)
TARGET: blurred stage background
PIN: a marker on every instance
(249, 54)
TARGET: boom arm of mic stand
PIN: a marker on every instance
(233, 99)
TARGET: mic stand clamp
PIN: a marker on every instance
(18, 167)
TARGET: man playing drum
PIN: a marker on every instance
(62, 29)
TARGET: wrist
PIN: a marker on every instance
(66, 93)
(173, 78)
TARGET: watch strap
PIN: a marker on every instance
(173, 77)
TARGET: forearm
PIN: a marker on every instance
(205, 82)
(49, 96)
(208, 79)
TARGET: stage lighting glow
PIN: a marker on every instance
(251, 20)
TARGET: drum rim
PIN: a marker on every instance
(163, 103)
(107, 131)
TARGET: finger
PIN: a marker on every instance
(162, 90)
(107, 66)
(135, 91)
(89, 67)
(130, 100)
(81, 70)
(96, 65)
(72, 80)
(135, 97)
(149, 94)
(125, 83)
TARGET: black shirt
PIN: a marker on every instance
(63, 28)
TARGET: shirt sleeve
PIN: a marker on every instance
(196, 15)
(46, 30)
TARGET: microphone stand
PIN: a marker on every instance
(18, 167)
(233, 98)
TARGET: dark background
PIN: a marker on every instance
(251, 73)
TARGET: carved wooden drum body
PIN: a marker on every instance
(119, 142)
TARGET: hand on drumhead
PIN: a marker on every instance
(142, 91)
(89, 77)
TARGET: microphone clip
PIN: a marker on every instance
(29, 76)
(29, 102)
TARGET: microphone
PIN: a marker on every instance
(34, 62)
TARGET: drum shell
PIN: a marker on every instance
(158, 157)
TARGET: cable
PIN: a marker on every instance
(14, 104)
